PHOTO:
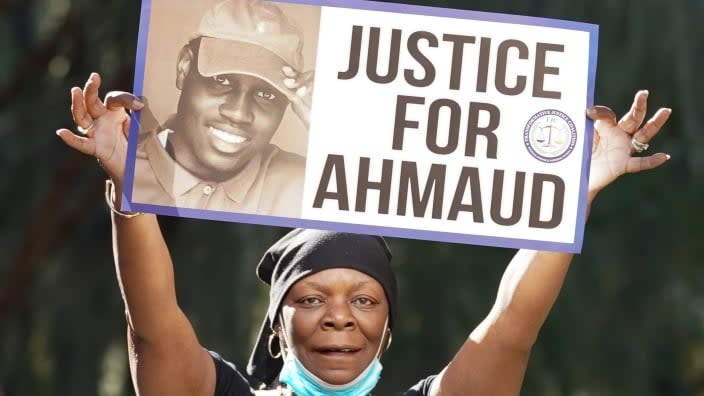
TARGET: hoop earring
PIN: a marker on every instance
(388, 343)
(271, 340)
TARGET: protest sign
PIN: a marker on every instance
(368, 117)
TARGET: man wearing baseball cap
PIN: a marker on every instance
(237, 77)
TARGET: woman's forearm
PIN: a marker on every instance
(528, 290)
(145, 274)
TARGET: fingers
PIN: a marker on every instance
(94, 106)
(638, 164)
(302, 91)
(632, 120)
(289, 72)
(300, 83)
(602, 114)
(653, 126)
(86, 105)
(80, 143)
(123, 100)
(78, 110)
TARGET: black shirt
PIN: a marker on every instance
(230, 382)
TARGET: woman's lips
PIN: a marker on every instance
(337, 351)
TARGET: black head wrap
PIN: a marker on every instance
(301, 253)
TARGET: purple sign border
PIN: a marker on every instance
(574, 247)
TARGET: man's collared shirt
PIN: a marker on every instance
(270, 184)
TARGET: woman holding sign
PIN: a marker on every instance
(332, 306)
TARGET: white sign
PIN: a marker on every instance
(397, 120)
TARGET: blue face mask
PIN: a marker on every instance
(305, 383)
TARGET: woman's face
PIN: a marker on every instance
(335, 320)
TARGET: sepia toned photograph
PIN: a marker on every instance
(228, 87)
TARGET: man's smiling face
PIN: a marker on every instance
(222, 121)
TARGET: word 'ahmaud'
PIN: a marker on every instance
(466, 193)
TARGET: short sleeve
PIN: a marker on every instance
(422, 388)
(228, 380)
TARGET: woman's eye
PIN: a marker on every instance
(266, 95)
(312, 300)
(222, 80)
(364, 301)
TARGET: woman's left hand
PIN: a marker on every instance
(616, 142)
(301, 97)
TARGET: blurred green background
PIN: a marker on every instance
(630, 320)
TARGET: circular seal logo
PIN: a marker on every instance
(550, 135)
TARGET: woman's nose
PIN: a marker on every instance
(339, 317)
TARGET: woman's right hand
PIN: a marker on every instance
(104, 125)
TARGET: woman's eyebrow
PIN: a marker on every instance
(360, 285)
(315, 285)
(326, 286)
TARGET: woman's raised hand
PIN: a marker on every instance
(103, 125)
(616, 142)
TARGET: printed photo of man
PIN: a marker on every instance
(237, 76)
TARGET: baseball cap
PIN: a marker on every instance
(251, 37)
